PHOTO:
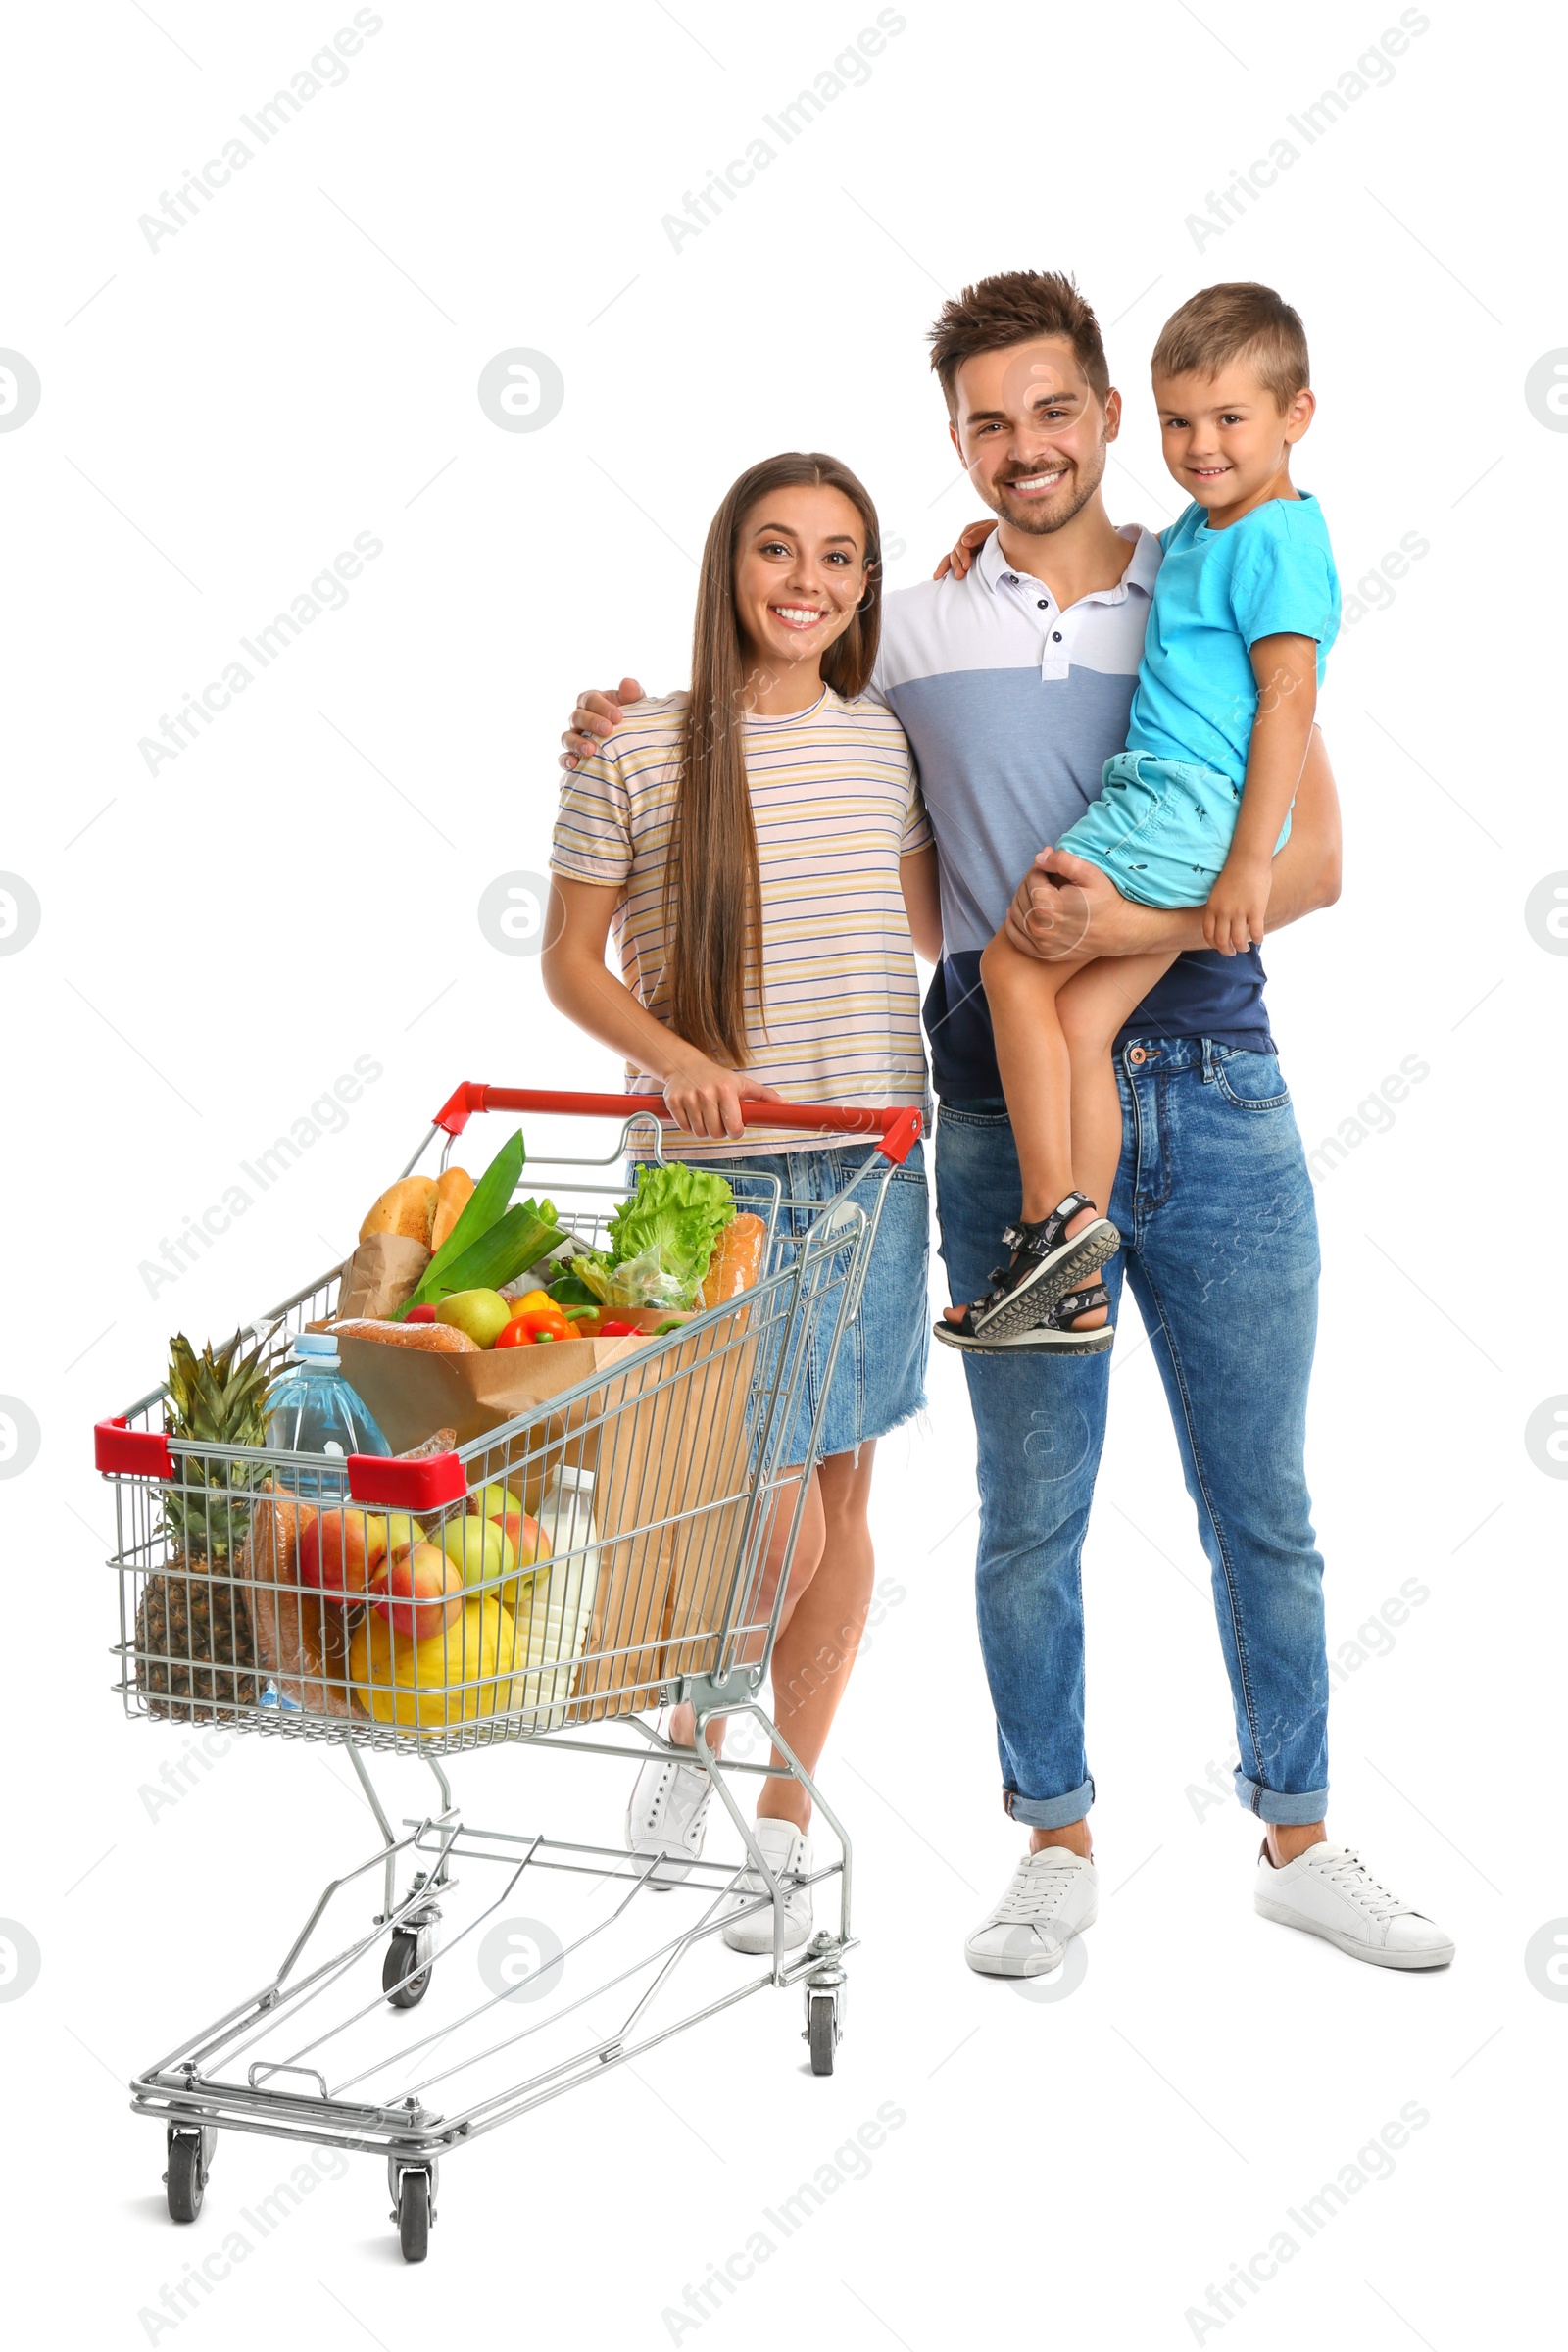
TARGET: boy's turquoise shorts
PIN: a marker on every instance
(1161, 828)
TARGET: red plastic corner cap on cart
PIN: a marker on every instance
(118, 1450)
(391, 1484)
(897, 1130)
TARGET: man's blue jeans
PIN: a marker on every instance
(1215, 1210)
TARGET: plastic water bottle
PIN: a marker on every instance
(312, 1409)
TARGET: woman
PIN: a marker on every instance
(761, 852)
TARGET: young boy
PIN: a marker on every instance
(1192, 811)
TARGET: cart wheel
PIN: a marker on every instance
(413, 2215)
(186, 2177)
(404, 1981)
(823, 2028)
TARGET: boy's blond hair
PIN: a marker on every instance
(1243, 322)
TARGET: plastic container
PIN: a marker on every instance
(556, 1618)
(566, 1520)
(312, 1409)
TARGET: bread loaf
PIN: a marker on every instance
(436, 1339)
(407, 1208)
(737, 1260)
(451, 1196)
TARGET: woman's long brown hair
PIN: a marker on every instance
(712, 891)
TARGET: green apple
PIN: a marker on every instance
(478, 1547)
(483, 1315)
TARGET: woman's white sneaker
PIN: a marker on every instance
(1329, 1892)
(1052, 1896)
(786, 1852)
(668, 1816)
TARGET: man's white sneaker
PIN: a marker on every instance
(786, 1852)
(1053, 1894)
(668, 1815)
(1329, 1892)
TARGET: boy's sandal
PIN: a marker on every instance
(1055, 1336)
(1045, 1264)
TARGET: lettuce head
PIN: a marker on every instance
(680, 1212)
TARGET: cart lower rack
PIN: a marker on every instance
(414, 2010)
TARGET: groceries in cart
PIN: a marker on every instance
(450, 1267)
(428, 1239)
(470, 1312)
(508, 1276)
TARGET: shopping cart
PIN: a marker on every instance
(661, 1487)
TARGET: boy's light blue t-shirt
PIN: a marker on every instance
(1271, 575)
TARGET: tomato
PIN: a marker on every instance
(542, 1324)
(419, 1314)
(617, 1331)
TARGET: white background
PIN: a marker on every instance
(220, 416)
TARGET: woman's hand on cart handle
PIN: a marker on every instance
(597, 715)
(705, 1099)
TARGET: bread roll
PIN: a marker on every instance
(452, 1195)
(406, 1208)
(436, 1339)
(737, 1260)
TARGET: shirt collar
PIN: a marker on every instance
(992, 567)
(793, 718)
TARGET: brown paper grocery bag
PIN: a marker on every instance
(670, 1491)
(412, 1391)
(382, 1272)
(301, 1639)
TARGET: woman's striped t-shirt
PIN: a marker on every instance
(836, 804)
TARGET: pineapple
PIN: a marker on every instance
(194, 1637)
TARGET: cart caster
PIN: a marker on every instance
(190, 2157)
(414, 2211)
(406, 1971)
(822, 2025)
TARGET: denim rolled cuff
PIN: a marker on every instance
(1270, 1805)
(1055, 1812)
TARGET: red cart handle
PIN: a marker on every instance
(897, 1130)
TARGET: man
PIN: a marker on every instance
(1013, 683)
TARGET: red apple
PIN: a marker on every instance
(526, 1539)
(339, 1550)
(418, 1591)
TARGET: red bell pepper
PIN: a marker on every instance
(540, 1324)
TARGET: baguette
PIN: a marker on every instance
(737, 1260)
(436, 1339)
(453, 1192)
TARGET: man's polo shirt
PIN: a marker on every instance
(1012, 708)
